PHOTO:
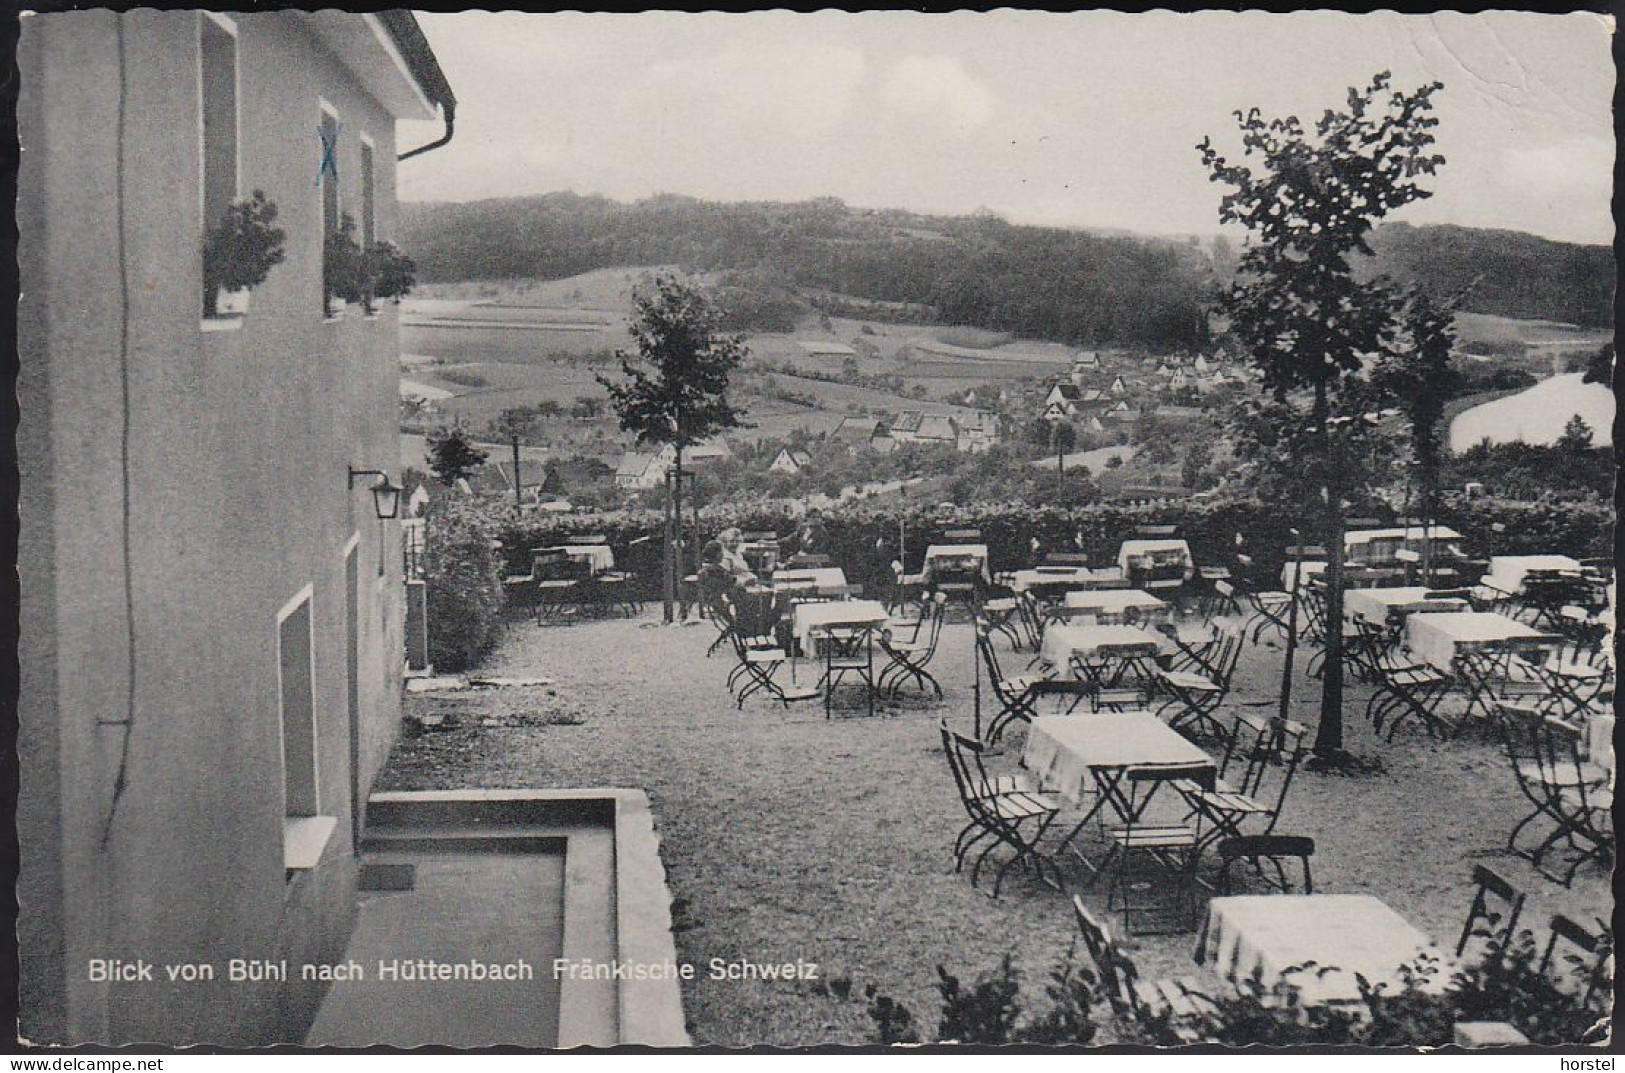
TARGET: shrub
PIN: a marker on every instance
(242, 250)
(989, 1012)
(464, 583)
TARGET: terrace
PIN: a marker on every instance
(821, 833)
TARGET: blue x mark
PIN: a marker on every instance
(330, 164)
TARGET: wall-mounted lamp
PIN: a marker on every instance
(386, 495)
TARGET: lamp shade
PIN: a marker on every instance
(386, 499)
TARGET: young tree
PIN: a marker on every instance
(675, 388)
(452, 454)
(1304, 319)
(514, 425)
(1577, 436)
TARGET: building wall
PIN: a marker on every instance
(188, 484)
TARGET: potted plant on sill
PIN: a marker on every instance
(239, 254)
(344, 269)
(391, 273)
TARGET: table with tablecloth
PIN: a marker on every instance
(1379, 545)
(1507, 572)
(1438, 638)
(1115, 602)
(818, 578)
(1309, 568)
(1341, 935)
(810, 619)
(1143, 554)
(1380, 606)
(1067, 753)
(1054, 579)
(945, 556)
(598, 556)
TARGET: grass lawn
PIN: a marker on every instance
(786, 835)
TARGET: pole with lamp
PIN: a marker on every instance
(386, 501)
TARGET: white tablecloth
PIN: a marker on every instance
(1507, 571)
(1311, 567)
(820, 577)
(1063, 751)
(1374, 606)
(1350, 933)
(820, 616)
(1116, 602)
(1379, 545)
(936, 553)
(598, 555)
(1599, 741)
(1132, 550)
(1435, 637)
(1070, 578)
(1061, 642)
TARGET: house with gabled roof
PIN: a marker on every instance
(789, 461)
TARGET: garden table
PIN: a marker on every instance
(809, 620)
(821, 578)
(598, 556)
(1379, 545)
(1051, 579)
(1507, 572)
(1264, 936)
(1382, 606)
(1156, 555)
(1114, 602)
(965, 556)
(1068, 753)
(1102, 655)
(1441, 637)
(1309, 567)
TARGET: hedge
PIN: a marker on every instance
(464, 583)
(864, 537)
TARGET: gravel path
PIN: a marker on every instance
(788, 836)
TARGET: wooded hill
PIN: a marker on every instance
(1080, 287)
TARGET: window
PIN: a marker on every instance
(304, 830)
(369, 232)
(217, 112)
(329, 164)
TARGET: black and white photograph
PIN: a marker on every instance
(851, 529)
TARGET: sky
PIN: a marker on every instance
(1078, 119)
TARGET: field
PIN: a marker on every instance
(491, 346)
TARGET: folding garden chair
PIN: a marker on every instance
(1148, 855)
(1180, 1002)
(906, 589)
(1016, 819)
(1256, 849)
(1495, 929)
(1588, 968)
(1406, 687)
(1016, 696)
(1582, 805)
(1262, 746)
(909, 656)
(759, 659)
(1269, 610)
(998, 606)
(849, 651)
(1195, 694)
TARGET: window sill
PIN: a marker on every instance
(304, 840)
(220, 324)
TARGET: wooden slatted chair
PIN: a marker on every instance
(906, 589)
(1407, 687)
(1494, 929)
(1015, 819)
(1019, 695)
(1249, 806)
(1148, 855)
(759, 659)
(1582, 807)
(1257, 849)
(1586, 971)
(1196, 693)
(1180, 1001)
(909, 656)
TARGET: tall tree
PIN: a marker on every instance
(513, 425)
(1309, 202)
(452, 454)
(674, 389)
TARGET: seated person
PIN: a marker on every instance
(810, 538)
(722, 566)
